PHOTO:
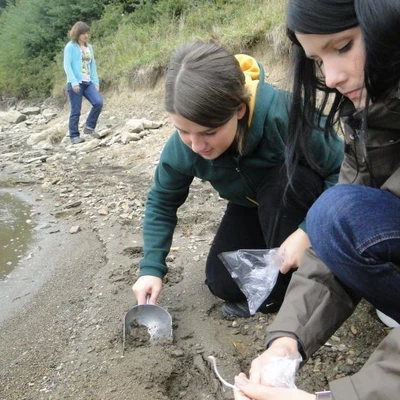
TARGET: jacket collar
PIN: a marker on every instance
(382, 115)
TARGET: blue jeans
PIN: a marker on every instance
(89, 91)
(355, 231)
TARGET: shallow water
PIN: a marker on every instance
(15, 231)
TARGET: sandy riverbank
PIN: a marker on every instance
(61, 326)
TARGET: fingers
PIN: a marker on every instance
(141, 290)
(238, 394)
(147, 289)
(292, 250)
(289, 261)
(141, 297)
(249, 390)
(285, 264)
(255, 370)
(285, 267)
(154, 296)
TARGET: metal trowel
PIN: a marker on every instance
(155, 321)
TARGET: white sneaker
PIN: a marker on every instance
(390, 322)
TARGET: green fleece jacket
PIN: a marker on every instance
(234, 177)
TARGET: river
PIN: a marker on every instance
(15, 231)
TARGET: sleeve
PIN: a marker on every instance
(315, 306)
(330, 155)
(168, 193)
(393, 183)
(378, 379)
(93, 69)
(68, 50)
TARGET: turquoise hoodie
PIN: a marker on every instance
(73, 64)
(234, 177)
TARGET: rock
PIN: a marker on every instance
(38, 137)
(177, 353)
(147, 124)
(103, 210)
(31, 111)
(88, 146)
(36, 159)
(134, 126)
(75, 229)
(104, 132)
(354, 330)
(49, 114)
(127, 137)
(74, 204)
(11, 117)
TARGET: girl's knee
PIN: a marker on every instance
(98, 104)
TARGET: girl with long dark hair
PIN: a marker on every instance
(349, 51)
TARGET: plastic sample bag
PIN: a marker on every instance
(254, 271)
(281, 371)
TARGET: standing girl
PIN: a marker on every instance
(82, 81)
(349, 49)
(231, 130)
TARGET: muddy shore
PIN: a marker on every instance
(63, 306)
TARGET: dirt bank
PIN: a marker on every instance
(61, 330)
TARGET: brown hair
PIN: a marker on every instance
(206, 85)
(77, 30)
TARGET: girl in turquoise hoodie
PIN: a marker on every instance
(231, 129)
(82, 81)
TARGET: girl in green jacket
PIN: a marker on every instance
(231, 130)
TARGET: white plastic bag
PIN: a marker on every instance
(254, 271)
(281, 371)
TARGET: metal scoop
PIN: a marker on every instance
(147, 322)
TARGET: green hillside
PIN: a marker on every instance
(133, 40)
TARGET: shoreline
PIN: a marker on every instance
(48, 234)
(61, 322)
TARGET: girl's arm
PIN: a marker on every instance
(68, 56)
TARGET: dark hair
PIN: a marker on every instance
(77, 30)
(205, 84)
(379, 21)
